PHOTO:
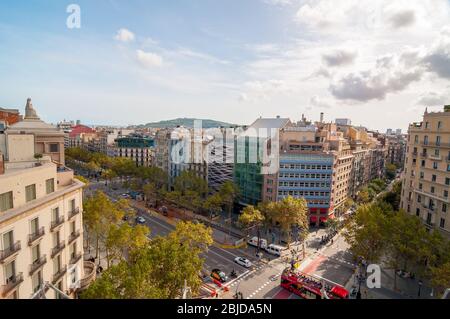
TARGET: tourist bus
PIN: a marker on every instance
(309, 287)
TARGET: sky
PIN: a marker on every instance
(379, 63)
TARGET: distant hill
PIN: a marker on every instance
(186, 122)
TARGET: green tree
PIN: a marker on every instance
(252, 217)
(229, 192)
(159, 269)
(109, 175)
(99, 213)
(391, 171)
(366, 233)
(290, 212)
(213, 204)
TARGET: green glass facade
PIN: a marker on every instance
(247, 169)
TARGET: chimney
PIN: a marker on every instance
(2, 164)
(321, 117)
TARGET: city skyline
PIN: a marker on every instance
(378, 64)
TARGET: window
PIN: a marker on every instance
(417, 212)
(422, 175)
(419, 198)
(420, 186)
(37, 281)
(447, 181)
(435, 165)
(72, 205)
(433, 178)
(427, 124)
(57, 264)
(54, 148)
(448, 167)
(425, 140)
(438, 140)
(6, 201)
(50, 185)
(442, 223)
(432, 189)
(429, 219)
(10, 271)
(55, 214)
(422, 163)
(8, 240)
(444, 207)
(436, 152)
(30, 192)
(34, 226)
(416, 140)
(35, 253)
(446, 194)
(439, 125)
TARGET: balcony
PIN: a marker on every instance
(37, 264)
(58, 222)
(4, 254)
(75, 258)
(435, 157)
(58, 248)
(11, 284)
(32, 238)
(61, 272)
(424, 155)
(74, 213)
(73, 236)
(89, 275)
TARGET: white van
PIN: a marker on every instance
(254, 242)
(276, 250)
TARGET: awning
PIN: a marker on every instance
(323, 219)
(313, 219)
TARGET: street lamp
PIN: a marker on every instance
(420, 286)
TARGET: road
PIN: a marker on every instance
(216, 257)
(332, 262)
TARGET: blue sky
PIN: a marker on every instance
(135, 62)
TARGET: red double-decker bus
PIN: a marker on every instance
(309, 287)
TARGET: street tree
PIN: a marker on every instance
(252, 217)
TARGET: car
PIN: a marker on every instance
(140, 220)
(353, 293)
(243, 262)
(219, 275)
(125, 196)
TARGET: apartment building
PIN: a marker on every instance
(396, 145)
(48, 140)
(40, 221)
(140, 149)
(426, 177)
(162, 141)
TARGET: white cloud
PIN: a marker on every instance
(125, 35)
(434, 99)
(319, 102)
(339, 58)
(149, 59)
(402, 19)
(279, 2)
(438, 59)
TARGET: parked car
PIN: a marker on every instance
(254, 242)
(276, 250)
(243, 262)
(140, 220)
(219, 275)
